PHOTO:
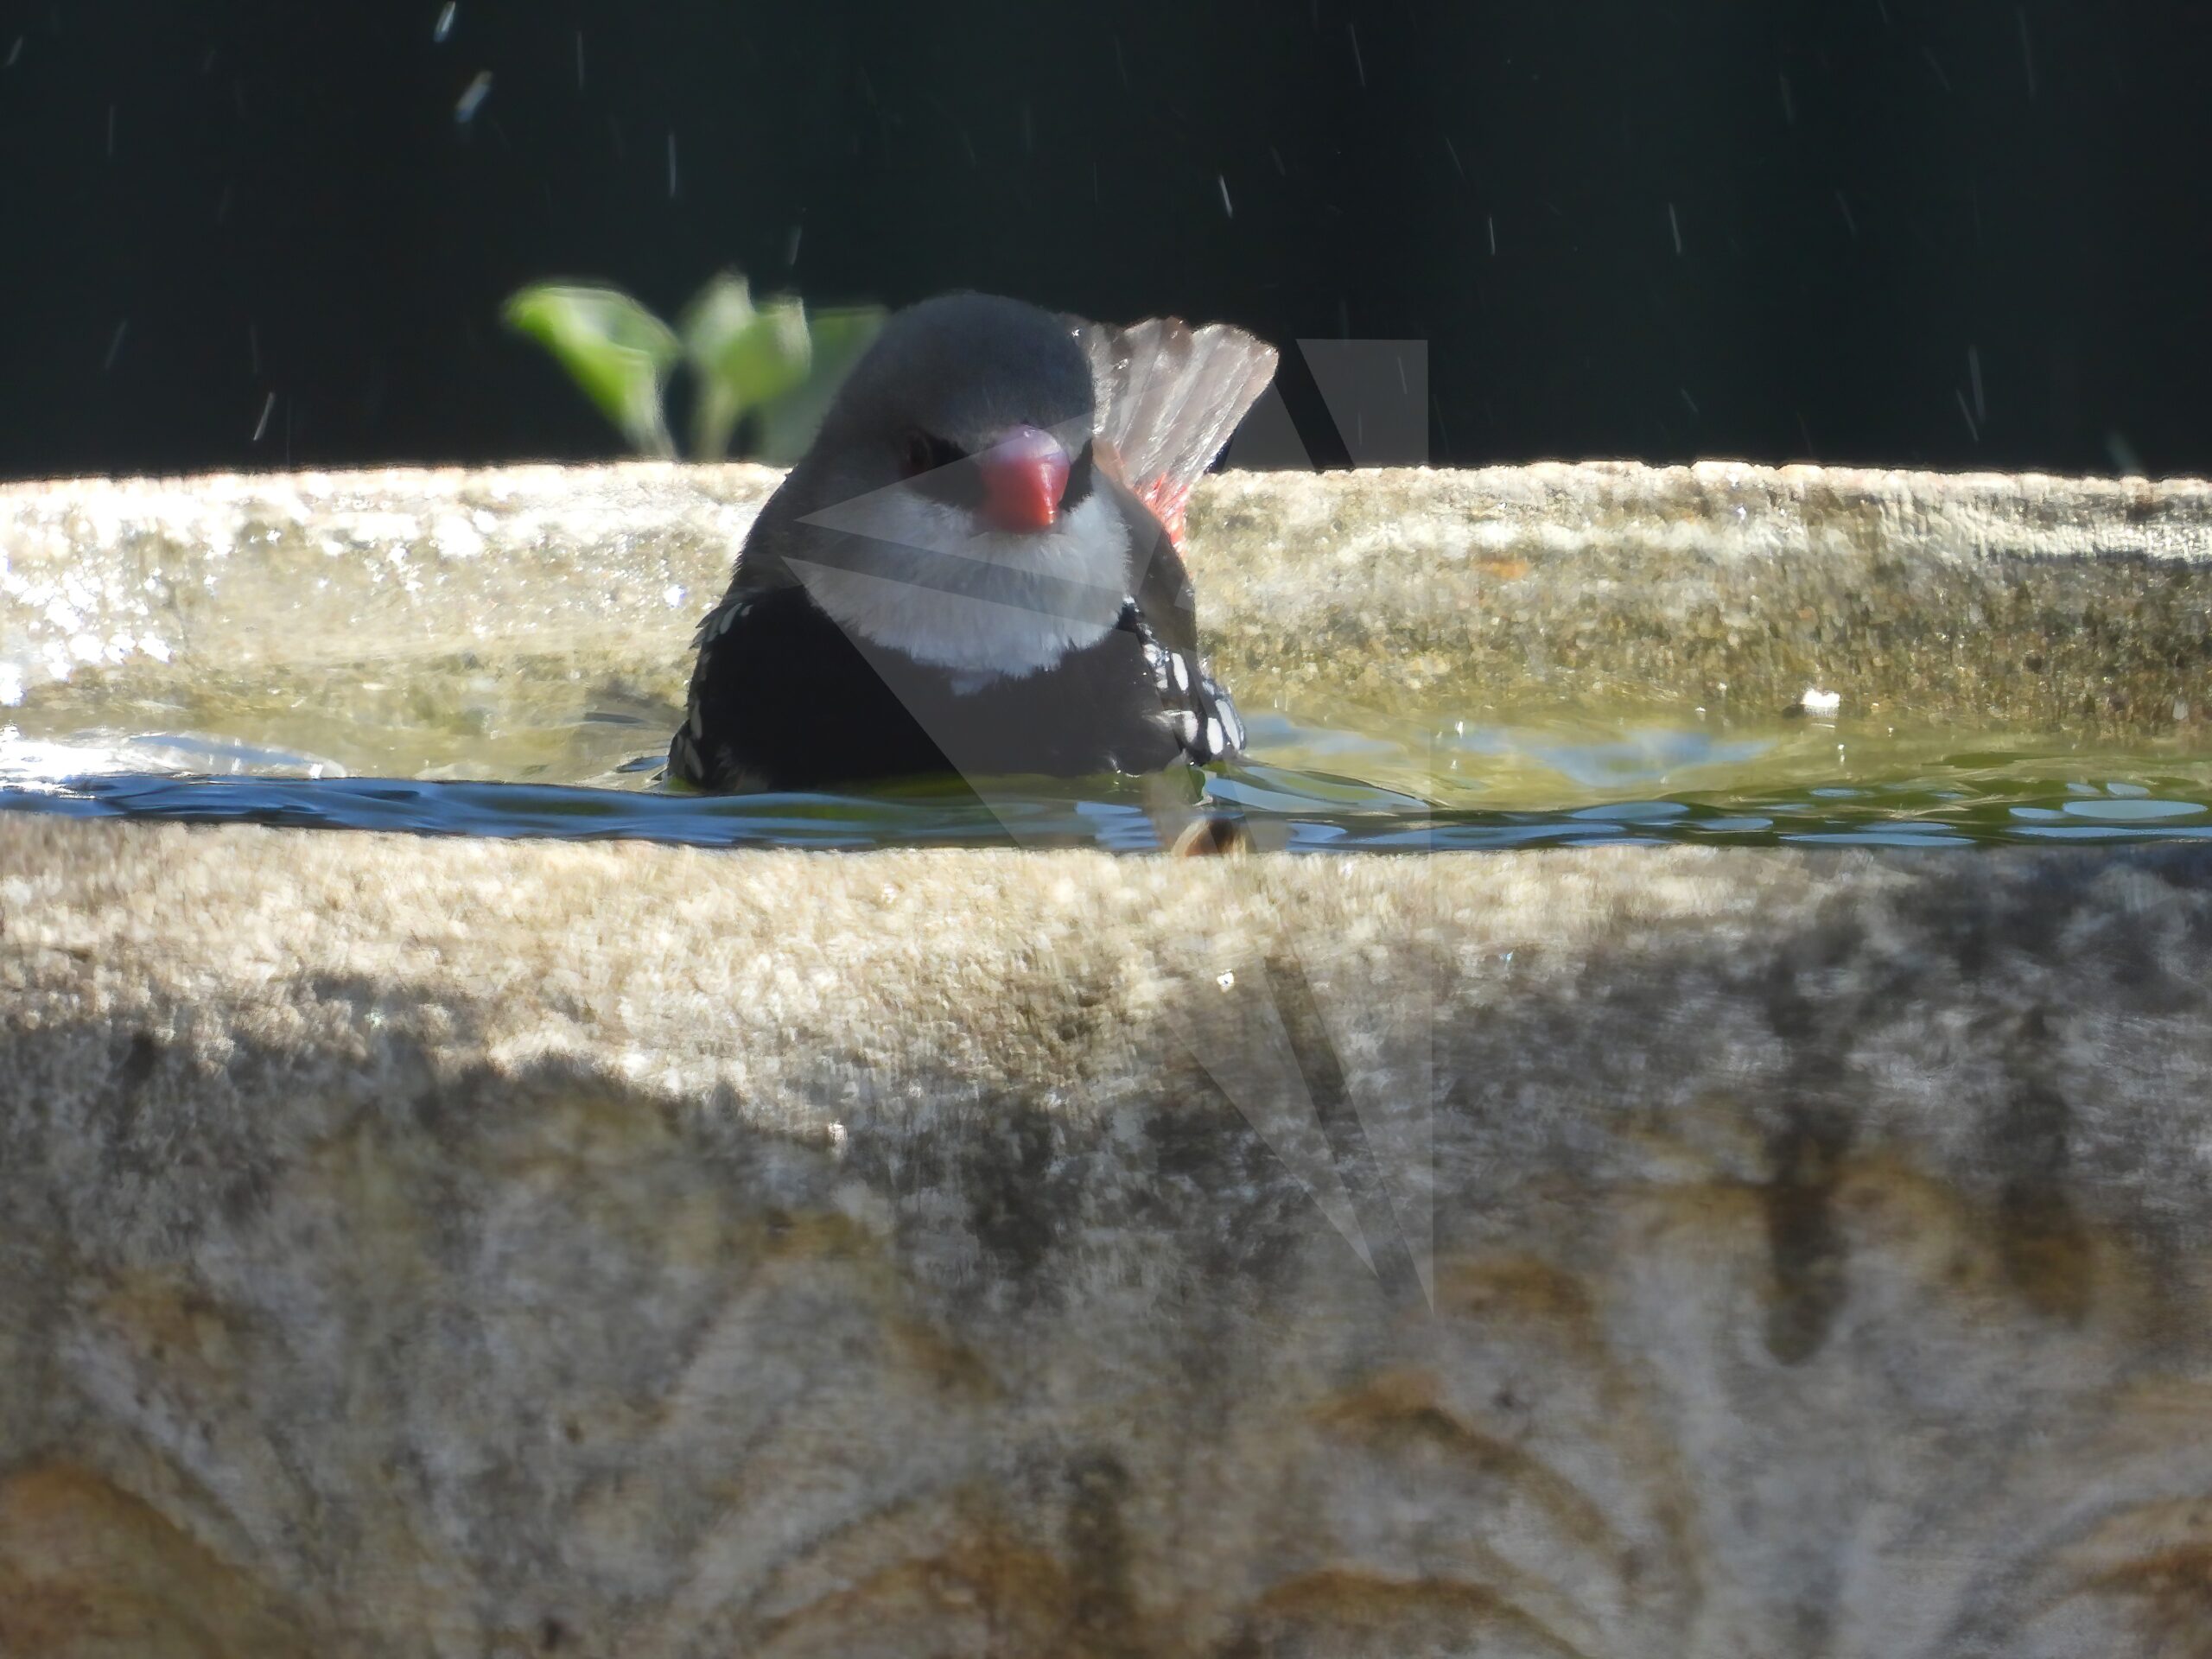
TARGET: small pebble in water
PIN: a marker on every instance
(1212, 836)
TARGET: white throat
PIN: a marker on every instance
(999, 602)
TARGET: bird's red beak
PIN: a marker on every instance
(1025, 473)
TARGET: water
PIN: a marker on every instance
(1354, 782)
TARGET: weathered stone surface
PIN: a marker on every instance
(2044, 603)
(2041, 603)
(449, 1247)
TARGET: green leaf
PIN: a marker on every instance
(618, 352)
(787, 424)
(742, 357)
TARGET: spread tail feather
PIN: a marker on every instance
(1169, 396)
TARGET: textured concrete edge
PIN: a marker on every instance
(255, 981)
(2055, 603)
(784, 973)
(662, 1252)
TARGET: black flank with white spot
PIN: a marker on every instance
(787, 699)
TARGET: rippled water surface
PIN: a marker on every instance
(1360, 781)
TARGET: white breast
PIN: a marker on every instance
(1000, 603)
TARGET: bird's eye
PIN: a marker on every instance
(925, 454)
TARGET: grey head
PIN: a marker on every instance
(959, 371)
(948, 505)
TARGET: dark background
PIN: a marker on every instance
(1940, 231)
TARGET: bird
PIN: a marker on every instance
(974, 569)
